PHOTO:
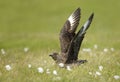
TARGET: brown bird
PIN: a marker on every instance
(70, 42)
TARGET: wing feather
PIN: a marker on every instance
(68, 31)
(74, 20)
(77, 40)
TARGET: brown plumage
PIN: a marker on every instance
(68, 31)
(70, 42)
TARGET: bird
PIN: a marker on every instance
(70, 40)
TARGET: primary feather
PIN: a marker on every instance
(68, 31)
(77, 41)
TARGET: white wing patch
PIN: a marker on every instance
(71, 20)
(86, 25)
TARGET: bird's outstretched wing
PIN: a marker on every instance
(74, 47)
(68, 31)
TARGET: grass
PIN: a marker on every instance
(35, 24)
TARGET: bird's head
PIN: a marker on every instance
(54, 56)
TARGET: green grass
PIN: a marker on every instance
(36, 24)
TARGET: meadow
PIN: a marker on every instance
(29, 32)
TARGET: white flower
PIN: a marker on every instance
(105, 50)
(100, 67)
(8, 67)
(90, 73)
(95, 46)
(68, 68)
(29, 65)
(26, 49)
(3, 51)
(86, 49)
(98, 73)
(40, 70)
(48, 71)
(61, 64)
(112, 49)
(116, 77)
(55, 72)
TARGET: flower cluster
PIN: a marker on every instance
(97, 73)
(55, 72)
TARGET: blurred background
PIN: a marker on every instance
(36, 23)
(29, 32)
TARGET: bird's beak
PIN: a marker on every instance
(50, 55)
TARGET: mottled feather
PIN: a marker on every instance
(68, 31)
